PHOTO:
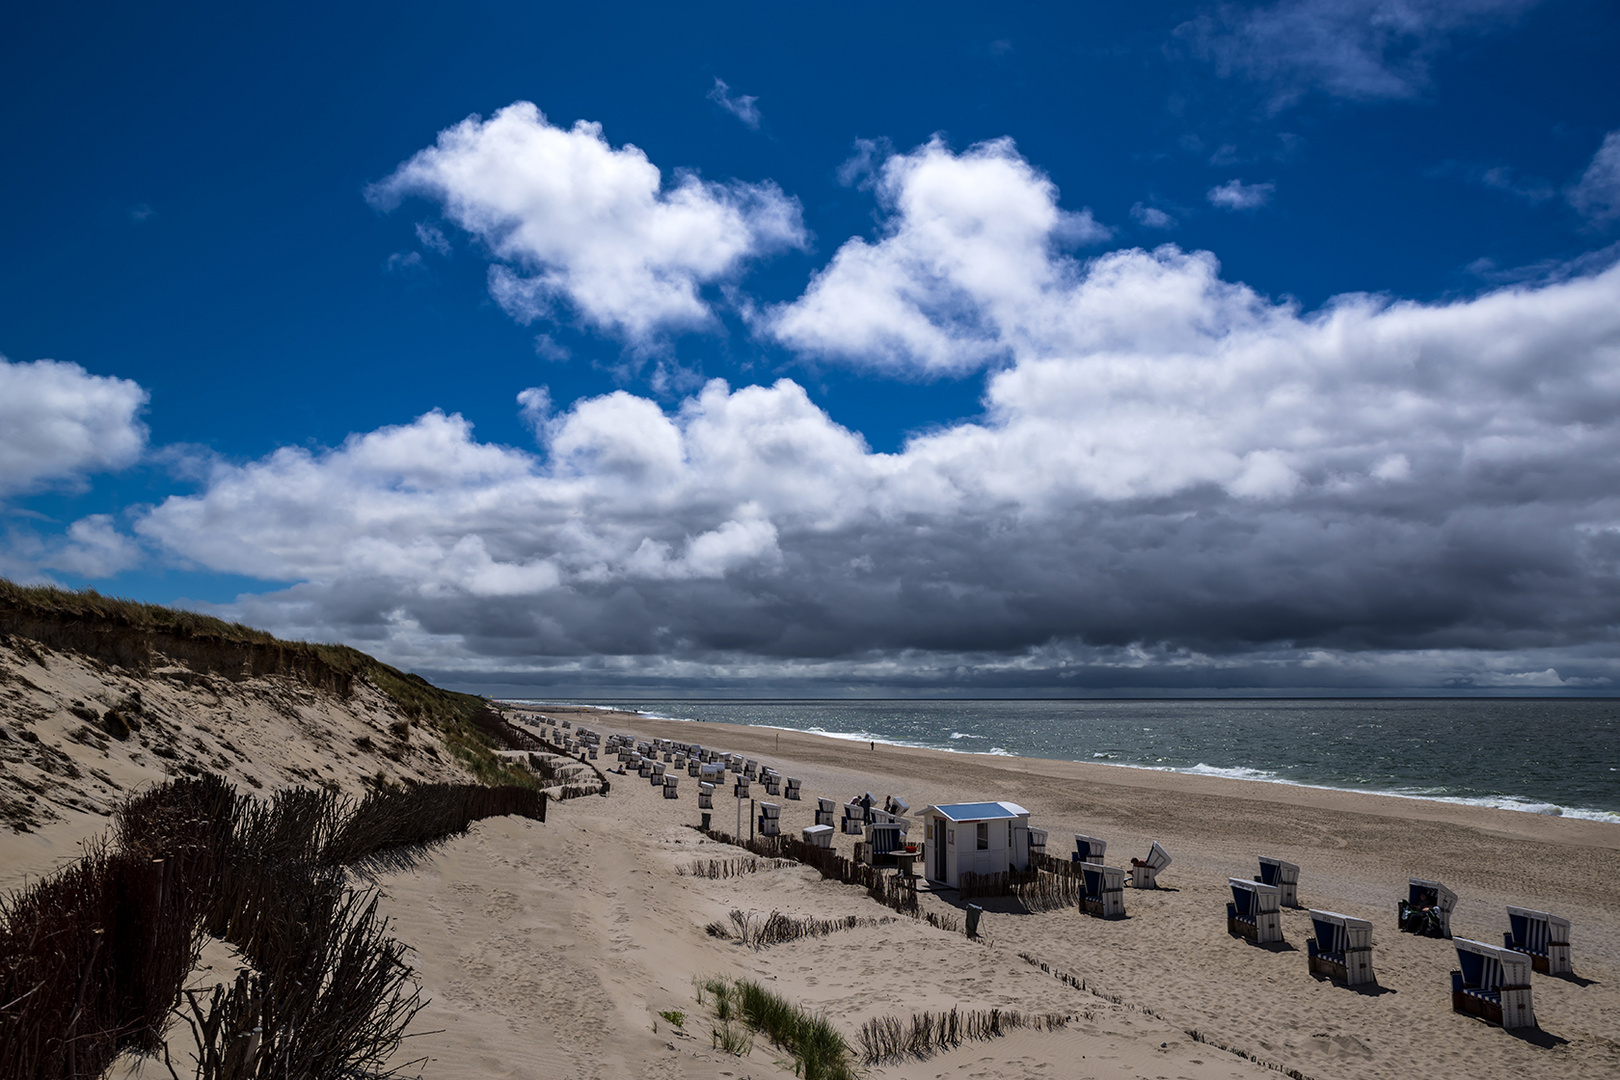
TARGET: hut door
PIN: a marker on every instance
(939, 846)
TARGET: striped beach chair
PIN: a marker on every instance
(1341, 949)
(1543, 937)
(1492, 984)
(884, 838)
(818, 836)
(1088, 848)
(825, 812)
(770, 819)
(670, 780)
(1426, 909)
(792, 791)
(1253, 911)
(1284, 875)
(1104, 894)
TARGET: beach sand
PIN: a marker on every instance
(550, 950)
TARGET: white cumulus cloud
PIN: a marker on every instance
(571, 218)
(968, 243)
(58, 423)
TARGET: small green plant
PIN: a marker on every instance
(675, 1017)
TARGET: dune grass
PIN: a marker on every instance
(819, 1051)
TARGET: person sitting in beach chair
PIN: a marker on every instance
(1145, 872)
(1426, 909)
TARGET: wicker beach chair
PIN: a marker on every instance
(1284, 875)
(825, 814)
(1104, 894)
(1426, 909)
(1543, 937)
(1088, 848)
(1145, 872)
(770, 819)
(1253, 912)
(1492, 984)
(1341, 949)
(818, 836)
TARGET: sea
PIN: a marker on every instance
(1543, 756)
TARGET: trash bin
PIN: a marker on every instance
(973, 913)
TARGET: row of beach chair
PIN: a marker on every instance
(1491, 982)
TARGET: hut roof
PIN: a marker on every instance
(981, 811)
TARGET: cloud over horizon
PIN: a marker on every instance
(1173, 478)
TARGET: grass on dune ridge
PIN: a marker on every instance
(127, 633)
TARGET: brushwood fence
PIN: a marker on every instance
(889, 1038)
(891, 890)
(94, 957)
(1035, 889)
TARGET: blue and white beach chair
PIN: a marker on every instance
(1342, 948)
(1253, 911)
(1492, 984)
(1088, 848)
(825, 811)
(1284, 875)
(1104, 890)
(1426, 909)
(770, 819)
(1544, 937)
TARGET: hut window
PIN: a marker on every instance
(984, 836)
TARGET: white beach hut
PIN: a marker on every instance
(974, 838)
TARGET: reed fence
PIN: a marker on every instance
(93, 958)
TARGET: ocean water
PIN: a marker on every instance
(1542, 756)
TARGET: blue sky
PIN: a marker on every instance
(837, 349)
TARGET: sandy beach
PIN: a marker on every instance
(551, 950)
